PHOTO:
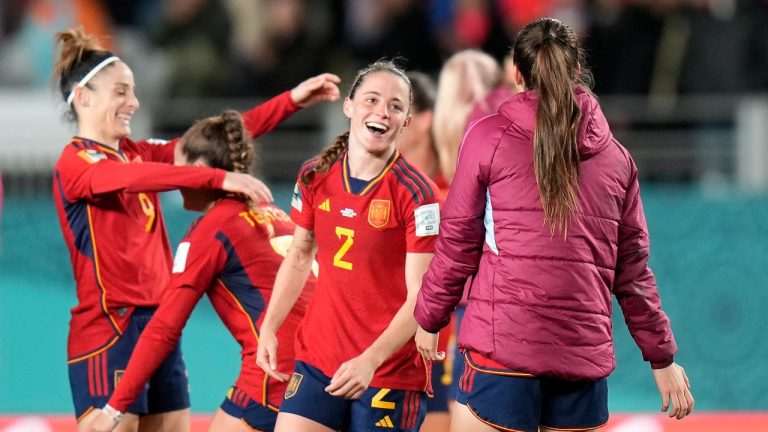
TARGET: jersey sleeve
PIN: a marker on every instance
(155, 150)
(199, 258)
(302, 212)
(422, 223)
(263, 118)
(86, 174)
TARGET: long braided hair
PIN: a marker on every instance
(331, 154)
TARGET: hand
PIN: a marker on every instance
(248, 186)
(100, 422)
(266, 355)
(675, 388)
(426, 344)
(316, 89)
(352, 378)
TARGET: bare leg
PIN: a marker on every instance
(287, 422)
(462, 420)
(172, 421)
(223, 422)
(436, 422)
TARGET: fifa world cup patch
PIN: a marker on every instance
(180, 260)
(427, 220)
(296, 198)
(293, 385)
(378, 213)
(91, 155)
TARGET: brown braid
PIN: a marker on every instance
(221, 141)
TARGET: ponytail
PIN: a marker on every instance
(555, 147)
(547, 54)
(221, 141)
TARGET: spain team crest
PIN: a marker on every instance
(293, 385)
(378, 213)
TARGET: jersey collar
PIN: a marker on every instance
(102, 148)
(374, 181)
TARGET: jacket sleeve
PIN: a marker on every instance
(263, 118)
(459, 245)
(635, 286)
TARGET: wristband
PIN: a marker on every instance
(112, 413)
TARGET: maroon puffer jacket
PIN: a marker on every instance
(540, 303)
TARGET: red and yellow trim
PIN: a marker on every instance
(574, 429)
(104, 307)
(373, 182)
(84, 415)
(493, 368)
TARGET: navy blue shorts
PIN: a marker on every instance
(457, 366)
(239, 405)
(94, 378)
(441, 383)
(376, 410)
(513, 401)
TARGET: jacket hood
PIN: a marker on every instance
(594, 133)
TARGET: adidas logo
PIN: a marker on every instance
(325, 205)
(386, 422)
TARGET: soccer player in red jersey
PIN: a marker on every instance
(105, 189)
(232, 253)
(371, 219)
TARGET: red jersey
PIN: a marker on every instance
(232, 254)
(109, 212)
(362, 240)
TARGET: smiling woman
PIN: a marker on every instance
(105, 188)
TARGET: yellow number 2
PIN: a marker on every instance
(149, 210)
(348, 240)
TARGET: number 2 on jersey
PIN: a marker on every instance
(349, 239)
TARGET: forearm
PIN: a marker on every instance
(289, 283)
(398, 332)
(266, 116)
(153, 177)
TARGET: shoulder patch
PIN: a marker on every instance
(91, 155)
(296, 197)
(427, 219)
(180, 260)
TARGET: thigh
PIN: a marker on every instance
(306, 397)
(172, 421)
(395, 410)
(224, 422)
(502, 399)
(169, 386)
(577, 405)
(240, 406)
(463, 420)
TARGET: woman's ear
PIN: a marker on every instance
(82, 97)
(348, 107)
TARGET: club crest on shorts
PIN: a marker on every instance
(293, 385)
(378, 213)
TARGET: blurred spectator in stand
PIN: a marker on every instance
(277, 43)
(195, 34)
(29, 26)
(389, 28)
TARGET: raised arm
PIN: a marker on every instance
(354, 375)
(289, 283)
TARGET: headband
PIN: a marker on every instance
(104, 63)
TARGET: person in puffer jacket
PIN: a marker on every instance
(545, 211)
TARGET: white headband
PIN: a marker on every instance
(104, 63)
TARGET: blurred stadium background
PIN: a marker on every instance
(683, 82)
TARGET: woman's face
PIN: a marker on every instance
(194, 199)
(110, 102)
(378, 112)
